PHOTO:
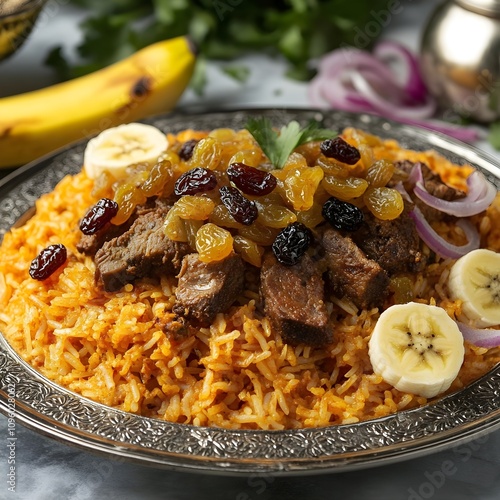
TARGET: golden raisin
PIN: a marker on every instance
(250, 157)
(300, 185)
(312, 217)
(206, 154)
(262, 235)
(213, 243)
(174, 227)
(402, 287)
(221, 216)
(383, 202)
(344, 189)
(160, 178)
(333, 167)
(191, 227)
(276, 216)
(127, 196)
(380, 173)
(194, 207)
(249, 250)
(222, 134)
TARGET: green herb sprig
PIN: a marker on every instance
(279, 145)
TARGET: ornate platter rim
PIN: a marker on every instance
(54, 411)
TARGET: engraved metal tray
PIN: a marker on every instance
(56, 412)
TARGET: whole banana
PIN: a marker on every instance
(149, 82)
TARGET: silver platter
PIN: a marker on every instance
(51, 410)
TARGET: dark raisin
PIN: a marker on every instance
(251, 180)
(340, 150)
(98, 216)
(342, 215)
(187, 149)
(291, 243)
(242, 209)
(48, 261)
(196, 180)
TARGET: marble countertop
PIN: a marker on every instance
(47, 469)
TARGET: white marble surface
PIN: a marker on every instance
(49, 470)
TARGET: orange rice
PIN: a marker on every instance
(109, 347)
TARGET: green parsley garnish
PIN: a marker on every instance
(278, 146)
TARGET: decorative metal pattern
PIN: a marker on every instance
(53, 410)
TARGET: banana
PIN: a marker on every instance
(417, 348)
(113, 150)
(146, 83)
(475, 280)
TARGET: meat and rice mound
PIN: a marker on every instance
(217, 306)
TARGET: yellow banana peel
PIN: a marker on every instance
(149, 82)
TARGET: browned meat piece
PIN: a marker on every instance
(205, 289)
(351, 273)
(434, 186)
(394, 244)
(294, 301)
(90, 243)
(142, 251)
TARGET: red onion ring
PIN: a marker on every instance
(438, 244)
(481, 337)
(480, 195)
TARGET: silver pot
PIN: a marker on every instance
(460, 58)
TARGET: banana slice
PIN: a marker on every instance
(117, 148)
(475, 280)
(417, 348)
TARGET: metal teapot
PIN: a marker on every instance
(460, 58)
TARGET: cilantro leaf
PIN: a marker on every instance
(278, 146)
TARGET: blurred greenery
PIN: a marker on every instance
(222, 29)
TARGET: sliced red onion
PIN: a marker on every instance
(361, 82)
(438, 244)
(412, 80)
(481, 337)
(353, 80)
(480, 195)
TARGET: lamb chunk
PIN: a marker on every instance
(206, 289)
(90, 243)
(142, 251)
(394, 244)
(435, 186)
(294, 301)
(351, 273)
